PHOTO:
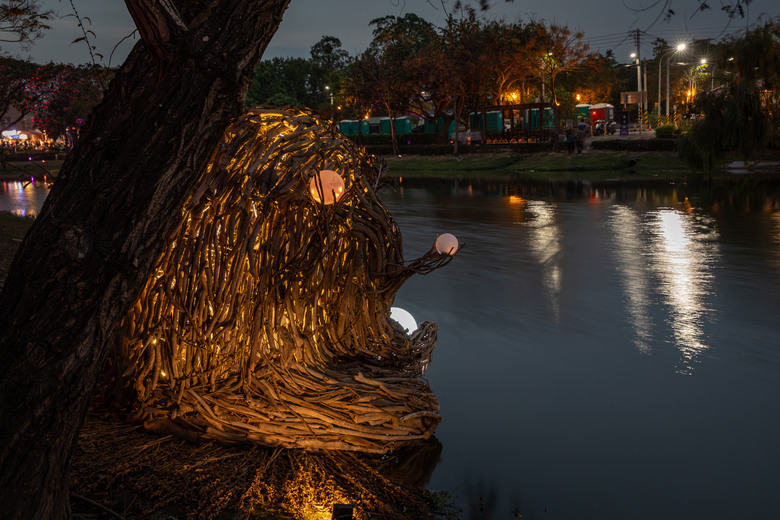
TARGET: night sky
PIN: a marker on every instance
(606, 24)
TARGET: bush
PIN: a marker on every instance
(635, 145)
(665, 131)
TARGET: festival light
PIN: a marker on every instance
(447, 244)
(327, 187)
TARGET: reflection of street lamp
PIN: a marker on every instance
(679, 48)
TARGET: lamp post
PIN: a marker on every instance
(679, 48)
(712, 72)
(639, 107)
(638, 72)
(327, 89)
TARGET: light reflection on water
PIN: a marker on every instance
(602, 353)
(775, 233)
(545, 244)
(629, 250)
(683, 254)
(23, 199)
(671, 252)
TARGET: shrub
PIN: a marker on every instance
(418, 138)
(665, 131)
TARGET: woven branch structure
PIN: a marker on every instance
(266, 318)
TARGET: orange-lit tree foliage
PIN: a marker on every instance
(266, 319)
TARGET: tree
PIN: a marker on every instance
(385, 73)
(328, 54)
(22, 21)
(282, 82)
(106, 221)
(734, 122)
(13, 80)
(741, 114)
(61, 96)
(553, 50)
(512, 69)
(465, 65)
(597, 80)
(328, 71)
(754, 55)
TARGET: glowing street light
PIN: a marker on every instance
(327, 90)
(680, 47)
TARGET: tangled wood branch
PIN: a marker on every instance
(138, 475)
(267, 317)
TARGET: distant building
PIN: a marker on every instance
(23, 130)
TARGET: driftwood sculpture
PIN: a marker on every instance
(267, 317)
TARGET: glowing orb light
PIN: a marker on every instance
(446, 244)
(327, 187)
(403, 318)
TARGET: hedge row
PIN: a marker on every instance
(446, 149)
(634, 145)
(416, 138)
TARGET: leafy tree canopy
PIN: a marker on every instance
(14, 74)
(22, 21)
(328, 54)
(60, 96)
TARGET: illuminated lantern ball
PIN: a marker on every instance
(446, 244)
(327, 187)
(403, 318)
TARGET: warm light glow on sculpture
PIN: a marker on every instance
(327, 187)
(270, 315)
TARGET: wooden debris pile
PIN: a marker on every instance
(266, 319)
(121, 471)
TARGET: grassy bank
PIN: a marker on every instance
(594, 165)
(13, 170)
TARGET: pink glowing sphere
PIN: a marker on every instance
(327, 187)
(446, 244)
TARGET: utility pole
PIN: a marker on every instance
(639, 107)
(638, 61)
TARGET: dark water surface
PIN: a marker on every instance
(607, 354)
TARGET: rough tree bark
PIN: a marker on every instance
(106, 221)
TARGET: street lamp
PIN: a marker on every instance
(712, 72)
(327, 89)
(635, 56)
(680, 47)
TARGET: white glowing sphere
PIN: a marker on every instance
(446, 244)
(327, 187)
(403, 318)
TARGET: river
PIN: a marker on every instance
(607, 354)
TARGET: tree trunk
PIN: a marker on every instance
(105, 222)
(393, 136)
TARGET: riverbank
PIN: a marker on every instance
(23, 170)
(593, 165)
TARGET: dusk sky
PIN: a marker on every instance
(606, 24)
